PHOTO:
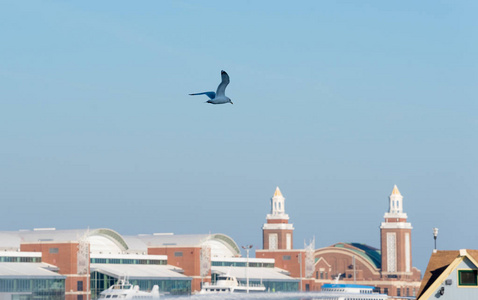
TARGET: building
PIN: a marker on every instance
(23, 274)
(451, 275)
(204, 257)
(277, 232)
(259, 271)
(389, 268)
(46, 263)
(85, 262)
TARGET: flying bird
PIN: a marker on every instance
(219, 97)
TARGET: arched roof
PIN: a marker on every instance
(368, 253)
(105, 240)
(100, 240)
(227, 246)
(221, 244)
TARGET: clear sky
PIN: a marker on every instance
(334, 102)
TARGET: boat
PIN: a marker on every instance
(349, 292)
(229, 284)
(125, 290)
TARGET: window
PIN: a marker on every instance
(128, 261)
(467, 277)
(79, 285)
(178, 254)
(79, 297)
(273, 242)
(398, 292)
(53, 250)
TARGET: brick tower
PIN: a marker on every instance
(395, 234)
(277, 232)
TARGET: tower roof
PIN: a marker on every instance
(277, 193)
(396, 191)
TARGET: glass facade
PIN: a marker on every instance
(100, 282)
(38, 289)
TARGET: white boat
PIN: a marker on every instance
(125, 291)
(349, 292)
(229, 284)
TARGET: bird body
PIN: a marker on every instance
(218, 97)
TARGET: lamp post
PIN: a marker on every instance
(300, 270)
(435, 233)
(247, 248)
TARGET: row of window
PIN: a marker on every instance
(241, 264)
(32, 285)
(127, 261)
(19, 259)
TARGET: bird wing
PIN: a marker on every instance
(221, 89)
(211, 95)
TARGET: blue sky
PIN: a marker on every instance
(334, 102)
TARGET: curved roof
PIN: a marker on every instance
(366, 253)
(371, 254)
(221, 244)
(106, 240)
(101, 240)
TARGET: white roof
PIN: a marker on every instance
(243, 259)
(107, 241)
(22, 270)
(129, 256)
(139, 271)
(266, 274)
(221, 244)
(19, 254)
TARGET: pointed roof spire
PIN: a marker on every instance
(277, 193)
(396, 191)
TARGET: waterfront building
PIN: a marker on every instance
(259, 271)
(79, 264)
(451, 275)
(205, 257)
(24, 276)
(88, 261)
(389, 268)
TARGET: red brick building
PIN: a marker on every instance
(63, 255)
(187, 252)
(389, 268)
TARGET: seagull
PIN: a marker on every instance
(219, 97)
